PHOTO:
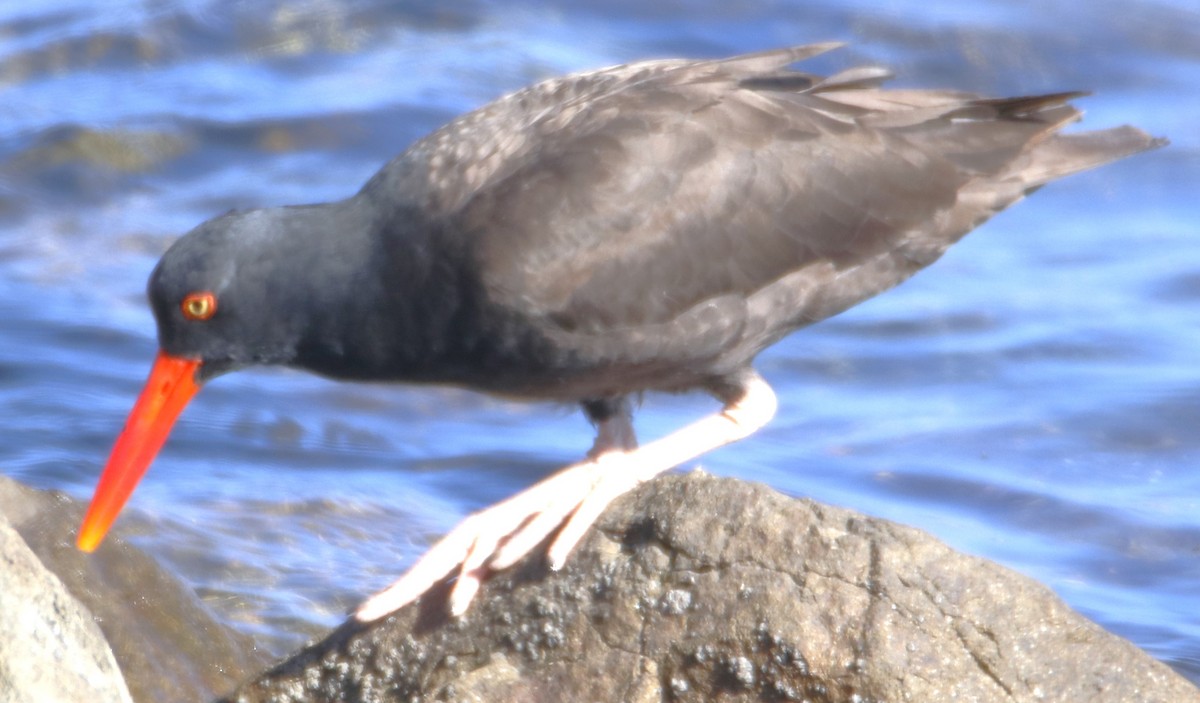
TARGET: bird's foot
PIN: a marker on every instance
(498, 537)
(501, 535)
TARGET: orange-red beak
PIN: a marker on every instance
(171, 385)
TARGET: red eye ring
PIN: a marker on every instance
(199, 306)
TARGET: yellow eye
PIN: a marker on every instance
(199, 306)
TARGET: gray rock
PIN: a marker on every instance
(50, 649)
(703, 589)
(166, 643)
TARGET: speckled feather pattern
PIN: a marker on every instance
(662, 222)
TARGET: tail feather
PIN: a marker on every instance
(1028, 105)
(1064, 154)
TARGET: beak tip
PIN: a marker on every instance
(88, 541)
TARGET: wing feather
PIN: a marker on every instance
(717, 205)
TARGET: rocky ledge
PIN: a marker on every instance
(695, 588)
(65, 615)
(691, 589)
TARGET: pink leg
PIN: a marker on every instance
(615, 433)
(574, 498)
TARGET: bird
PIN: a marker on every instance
(648, 227)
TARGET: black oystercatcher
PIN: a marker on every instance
(645, 227)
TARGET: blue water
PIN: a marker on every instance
(1033, 398)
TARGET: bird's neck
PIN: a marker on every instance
(384, 299)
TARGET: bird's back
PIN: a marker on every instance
(658, 223)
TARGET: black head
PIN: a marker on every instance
(234, 292)
(258, 287)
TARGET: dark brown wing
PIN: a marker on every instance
(705, 209)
